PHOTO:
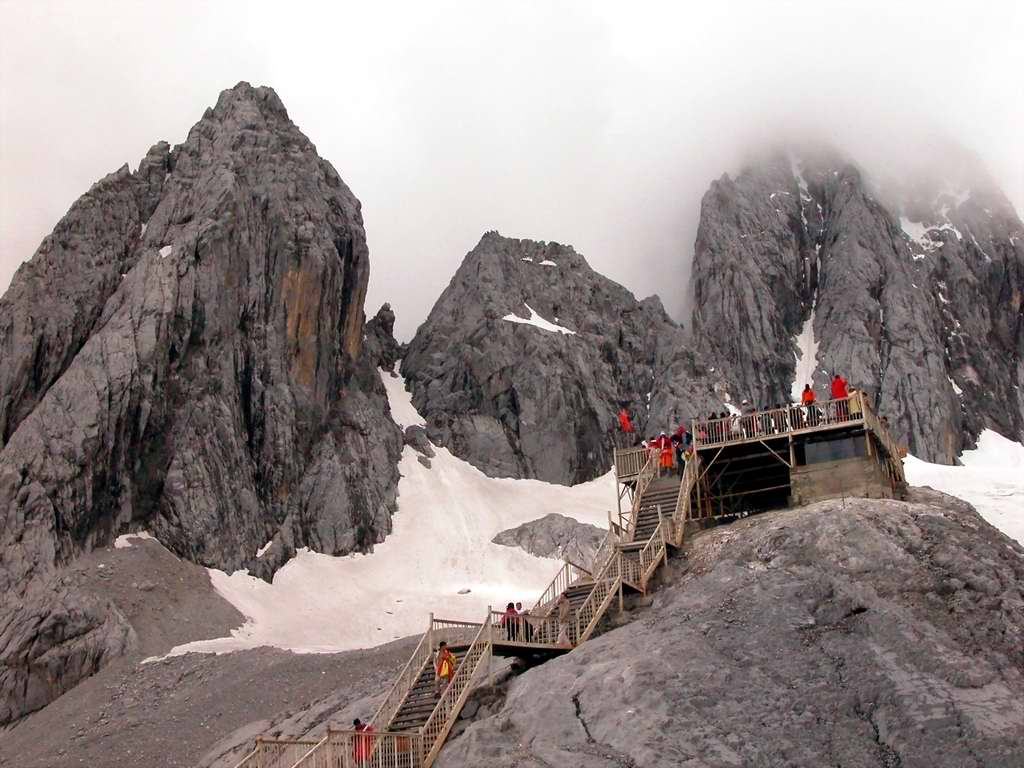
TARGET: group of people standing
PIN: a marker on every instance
(521, 626)
(672, 451)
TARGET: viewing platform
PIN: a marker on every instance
(783, 457)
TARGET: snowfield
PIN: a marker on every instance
(991, 478)
(441, 546)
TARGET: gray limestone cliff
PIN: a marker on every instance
(523, 362)
(916, 299)
(857, 633)
(184, 355)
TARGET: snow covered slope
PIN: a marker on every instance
(441, 544)
(991, 478)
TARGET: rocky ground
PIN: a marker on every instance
(196, 709)
(864, 633)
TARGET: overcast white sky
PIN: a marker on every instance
(595, 124)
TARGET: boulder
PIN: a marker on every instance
(555, 536)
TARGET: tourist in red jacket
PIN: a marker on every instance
(840, 393)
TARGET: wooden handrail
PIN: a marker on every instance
(605, 551)
(629, 462)
(360, 749)
(446, 711)
(606, 584)
(790, 419)
(277, 753)
(682, 511)
(567, 575)
(643, 480)
(652, 553)
(249, 761)
(403, 683)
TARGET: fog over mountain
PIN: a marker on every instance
(569, 123)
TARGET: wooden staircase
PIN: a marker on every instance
(413, 722)
(419, 702)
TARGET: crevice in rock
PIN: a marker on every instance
(599, 748)
(579, 716)
(887, 756)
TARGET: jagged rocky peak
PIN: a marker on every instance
(800, 269)
(186, 357)
(525, 358)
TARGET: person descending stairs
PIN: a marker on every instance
(419, 703)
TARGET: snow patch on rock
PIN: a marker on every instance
(125, 541)
(537, 322)
(806, 359)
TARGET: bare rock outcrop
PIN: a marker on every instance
(523, 362)
(187, 358)
(555, 536)
(861, 633)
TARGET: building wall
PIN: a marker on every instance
(832, 479)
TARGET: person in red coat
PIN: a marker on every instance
(664, 445)
(840, 393)
(626, 425)
(362, 746)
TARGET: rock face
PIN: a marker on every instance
(198, 372)
(927, 316)
(555, 536)
(380, 343)
(870, 633)
(524, 360)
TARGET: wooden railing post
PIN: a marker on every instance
(622, 606)
(490, 643)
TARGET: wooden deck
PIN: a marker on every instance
(765, 426)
